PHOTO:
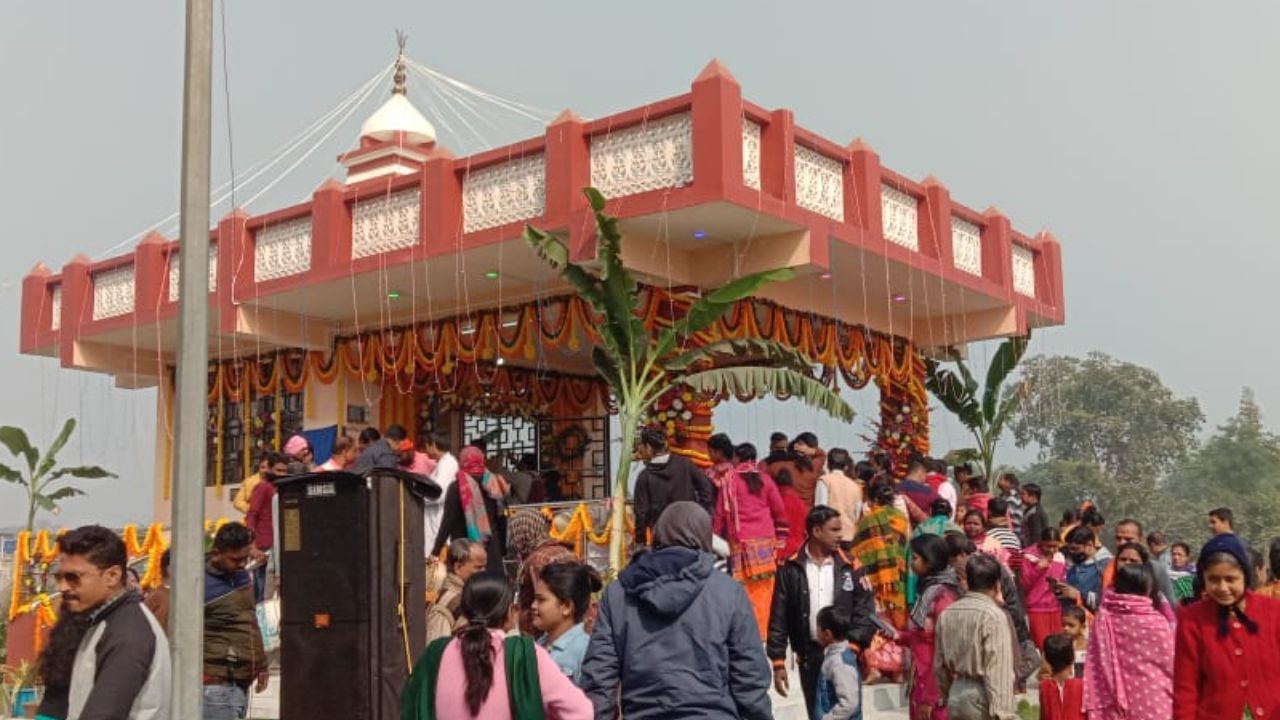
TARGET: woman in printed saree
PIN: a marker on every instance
(750, 514)
(881, 549)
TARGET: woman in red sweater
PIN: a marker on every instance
(1227, 656)
(795, 512)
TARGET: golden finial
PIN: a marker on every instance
(401, 76)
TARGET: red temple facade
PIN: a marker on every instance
(405, 291)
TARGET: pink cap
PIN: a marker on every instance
(296, 445)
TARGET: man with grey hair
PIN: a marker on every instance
(465, 558)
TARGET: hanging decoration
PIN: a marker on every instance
(571, 443)
(34, 556)
(456, 359)
(903, 426)
(685, 418)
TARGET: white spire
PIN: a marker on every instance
(397, 114)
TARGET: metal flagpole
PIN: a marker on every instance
(193, 358)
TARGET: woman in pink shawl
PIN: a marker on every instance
(750, 515)
(1128, 673)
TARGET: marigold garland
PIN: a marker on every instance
(561, 323)
(437, 349)
(580, 527)
(43, 549)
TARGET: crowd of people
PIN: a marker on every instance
(847, 572)
(856, 572)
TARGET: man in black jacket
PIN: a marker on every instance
(1034, 518)
(817, 576)
(666, 478)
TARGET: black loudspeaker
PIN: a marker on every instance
(352, 591)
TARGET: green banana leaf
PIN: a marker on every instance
(764, 381)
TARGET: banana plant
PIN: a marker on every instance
(983, 411)
(42, 472)
(640, 364)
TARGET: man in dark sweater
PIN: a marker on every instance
(666, 478)
(233, 654)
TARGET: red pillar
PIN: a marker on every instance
(441, 205)
(235, 266)
(77, 305)
(934, 223)
(778, 156)
(997, 246)
(151, 271)
(568, 171)
(717, 132)
(37, 308)
(1049, 274)
(862, 196)
(330, 230)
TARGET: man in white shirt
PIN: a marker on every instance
(816, 576)
(439, 447)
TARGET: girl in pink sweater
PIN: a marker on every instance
(751, 516)
(480, 674)
(1042, 568)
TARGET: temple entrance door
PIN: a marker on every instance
(572, 453)
(577, 449)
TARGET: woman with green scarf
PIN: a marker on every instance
(482, 673)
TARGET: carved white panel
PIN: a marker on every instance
(819, 183)
(282, 250)
(55, 307)
(966, 246)
(113, 292)
(645, 157)
(175, 274)
(505, 193)
(899, 217)
(385, 223)
(1024, 271)
(750, 154)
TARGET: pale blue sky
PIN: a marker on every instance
(1141, 133)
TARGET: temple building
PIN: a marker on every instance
(404, 293)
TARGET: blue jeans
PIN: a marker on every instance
(224, 702)
(259, 583)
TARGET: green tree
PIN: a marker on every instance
(983, 413)
(1237, 467)
(640, 365)
(1106, 430)
(44, 479)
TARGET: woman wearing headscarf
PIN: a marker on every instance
(675, 633)
(472, 508)
(528, 533)
(1228, 642)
